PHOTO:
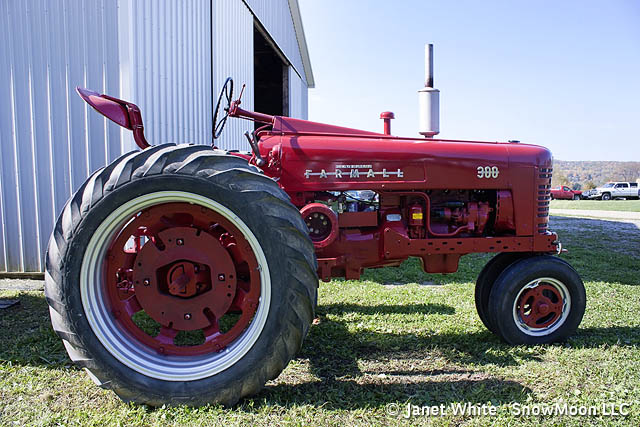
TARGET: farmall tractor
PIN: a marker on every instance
(188, 274)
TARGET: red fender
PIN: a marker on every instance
(121, 112)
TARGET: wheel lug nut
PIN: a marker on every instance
(221, 277)
(187, 316)
(179, 242)
(146, 282)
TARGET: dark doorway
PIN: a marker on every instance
(270, 77)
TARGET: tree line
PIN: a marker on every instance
(584, 175)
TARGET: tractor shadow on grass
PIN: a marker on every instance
(26, 335)
(424, 308)
(370, 368)
(342, 369)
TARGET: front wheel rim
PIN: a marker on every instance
(112, 321)
(542, 306)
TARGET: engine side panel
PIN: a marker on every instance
(436, 199)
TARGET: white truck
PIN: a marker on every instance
(612, 190)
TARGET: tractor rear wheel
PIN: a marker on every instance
(537, 300)
(181, 275)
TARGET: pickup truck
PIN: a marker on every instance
(564, 192)
(612, 190)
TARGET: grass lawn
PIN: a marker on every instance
(385, 339)
(609, 205)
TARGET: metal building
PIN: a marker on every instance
(170, 57)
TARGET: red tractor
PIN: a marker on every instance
(188, 274)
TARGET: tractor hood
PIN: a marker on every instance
(333, 161)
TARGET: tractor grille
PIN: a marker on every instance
(544, 195)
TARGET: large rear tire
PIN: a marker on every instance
(181, 275)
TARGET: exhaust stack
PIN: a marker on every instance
(429, 99)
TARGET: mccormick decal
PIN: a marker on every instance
(354, 171)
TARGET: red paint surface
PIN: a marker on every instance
(194, 268)
(121, 112)
(541, 306)
(387, 116)
(307, 155)
(474, 196)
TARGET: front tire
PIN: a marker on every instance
(537, 300)
(606, 196)
(486, 280)
(181, 275)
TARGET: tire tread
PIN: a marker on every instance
(220, 169)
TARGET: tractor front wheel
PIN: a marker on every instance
(181, 275)
(486, 280)
(537, 300)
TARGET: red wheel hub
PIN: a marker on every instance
(186, 279)
(540, 306)
(173, 293)
(187, 268)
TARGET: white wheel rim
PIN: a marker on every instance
(124, 347)
(566, 307)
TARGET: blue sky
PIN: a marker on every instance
(563, 74)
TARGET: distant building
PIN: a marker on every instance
(169, 57)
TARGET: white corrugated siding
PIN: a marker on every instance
(297, 95)
(161, 54)
(49, 139)
(275, 16)
(233, 57)
(170, 57)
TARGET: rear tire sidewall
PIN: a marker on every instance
(519, 274)
(250, 363)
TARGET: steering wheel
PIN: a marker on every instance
(226, 94)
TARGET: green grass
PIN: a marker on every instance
(610, 205)
(383, 339)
